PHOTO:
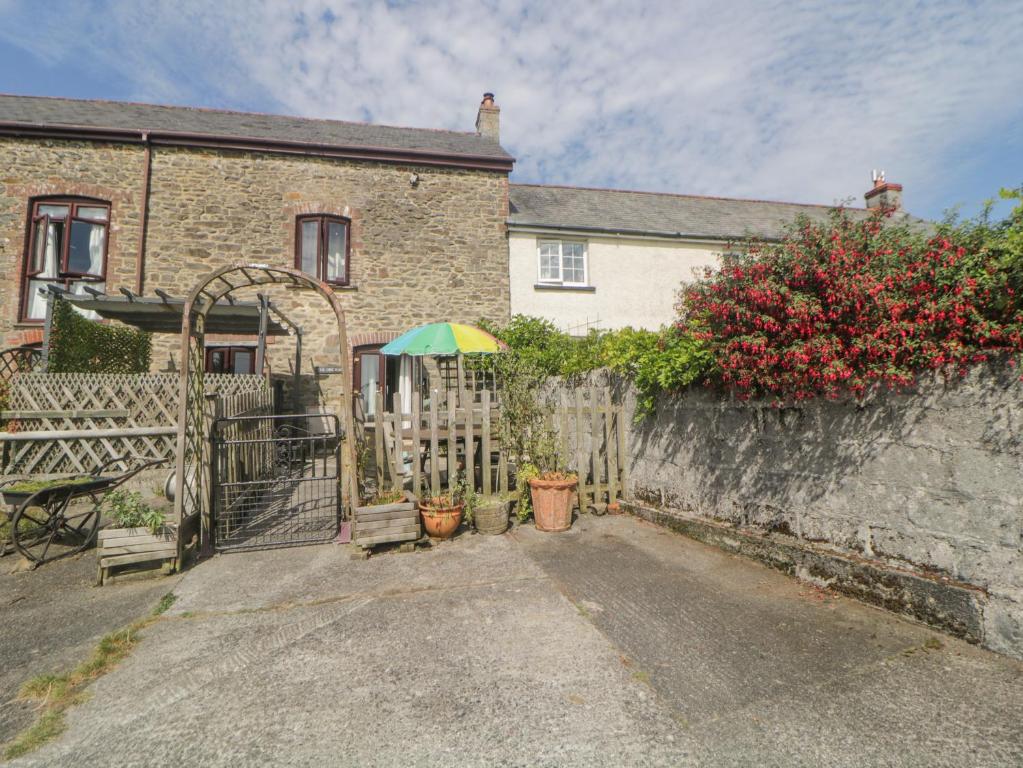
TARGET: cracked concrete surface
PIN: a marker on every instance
(616, 643)
(52, 617)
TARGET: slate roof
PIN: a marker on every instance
(652, 213)
(113, 115)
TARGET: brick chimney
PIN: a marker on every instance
(488, 119)
(884, 194)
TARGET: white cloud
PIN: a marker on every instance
(776, 99)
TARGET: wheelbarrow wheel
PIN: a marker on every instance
(47, 526)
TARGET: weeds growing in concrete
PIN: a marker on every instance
(54, 694)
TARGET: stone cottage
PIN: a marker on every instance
(407, 225)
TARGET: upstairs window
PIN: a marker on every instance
(562, 262)
(321, 247)
(67, 247)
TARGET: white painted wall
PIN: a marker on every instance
(636, 281)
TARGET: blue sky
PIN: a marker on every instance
(766, 99)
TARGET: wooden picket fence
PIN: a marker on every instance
(72, 422)
(593, 442)
(428, 447)
(425, 450)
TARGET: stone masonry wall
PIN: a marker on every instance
(429, 252)
(928, 482)
(436, 251)
(35, 168)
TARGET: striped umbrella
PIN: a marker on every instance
(444, 339)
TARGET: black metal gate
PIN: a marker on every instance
(275, 480)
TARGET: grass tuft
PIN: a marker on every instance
(55, 693)
(49, 726)
(165, 603)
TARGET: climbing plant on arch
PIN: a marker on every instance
(192, 467)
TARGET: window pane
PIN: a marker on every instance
(35, 308)
(85, 250)
(91, 212)
(335, 251)
(78, 287)
(310, 235)
(244, 360)
(369, 367)
(54, 238)
(53, 211)
(38, 261)
(216, 358)
(550, 262)
(573, 262)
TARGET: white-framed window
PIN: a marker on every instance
(562, 262)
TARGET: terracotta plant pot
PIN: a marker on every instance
(441, 522)
(552, 503)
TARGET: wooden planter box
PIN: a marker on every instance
(386, 523)
(132, 546)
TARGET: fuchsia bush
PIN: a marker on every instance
(838, 307)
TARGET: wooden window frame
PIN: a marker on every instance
(561, 262)
(229, 352)
(39, 225)
(323, 219)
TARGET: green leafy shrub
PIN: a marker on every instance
(80, 345)
(524, 508)
(130, 511)
(664, 361)
(667, 361)
(538, 342)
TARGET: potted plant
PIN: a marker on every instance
(492, 514)
(444, 513)
(140, 534)
(553, 494)
(544, 489)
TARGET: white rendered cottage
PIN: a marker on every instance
(602, 258)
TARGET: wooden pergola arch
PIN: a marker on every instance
(192, 466)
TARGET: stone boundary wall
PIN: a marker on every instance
(926, 483)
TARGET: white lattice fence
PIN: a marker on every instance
(80, 420)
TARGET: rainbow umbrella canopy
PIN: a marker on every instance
(444, 339)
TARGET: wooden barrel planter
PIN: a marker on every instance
(386, 523)
(492, 517)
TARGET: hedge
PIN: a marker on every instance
(80, 345)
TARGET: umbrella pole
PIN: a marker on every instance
(461, 378)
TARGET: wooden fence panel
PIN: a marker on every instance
(440, 436)
(105, 405)
(586, 420)
(593, 442)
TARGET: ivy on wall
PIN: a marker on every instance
(79, 345)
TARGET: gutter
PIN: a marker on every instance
(140, 257)
(278, 146)
(635, 234)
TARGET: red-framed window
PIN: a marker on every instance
(66, 246)
(323, 247)
(230, 359)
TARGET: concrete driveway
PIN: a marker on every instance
(614, 644)
(51, 619)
